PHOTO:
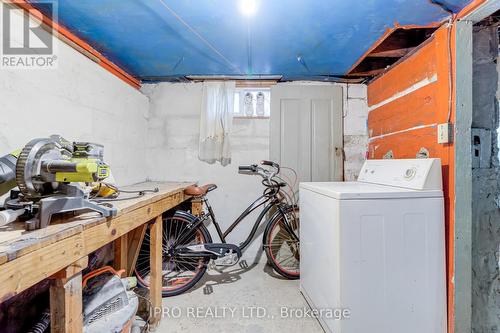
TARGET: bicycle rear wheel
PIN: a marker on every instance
(179, 274)
(282, 249)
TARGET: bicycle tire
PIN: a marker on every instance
(273, 223)
(201, 230)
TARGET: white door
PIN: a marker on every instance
(306, 130)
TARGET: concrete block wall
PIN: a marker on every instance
(486, 187)
(355, 130)
(82, 102)
(173, 135)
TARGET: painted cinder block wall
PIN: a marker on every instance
(80, 101)
(172, 145)
(355, 130)
(405, 105)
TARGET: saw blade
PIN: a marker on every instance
(27, 167)
(20, 167)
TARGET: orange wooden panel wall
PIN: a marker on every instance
(406, 103)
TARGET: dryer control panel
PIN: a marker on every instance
(417, 174)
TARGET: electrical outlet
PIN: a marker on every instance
(445, 133)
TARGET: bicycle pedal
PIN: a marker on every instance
(208, 289)
(243, 264)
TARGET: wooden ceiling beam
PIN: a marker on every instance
(396, 43)
(396, 53)
(372, 72)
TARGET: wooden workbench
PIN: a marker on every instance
(60, 251)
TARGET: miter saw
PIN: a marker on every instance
(51, 174)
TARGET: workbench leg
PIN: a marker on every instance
(156, 269)
(66, 304)
(196, 207)
(135, 238)
(66, 298)
(121, 253)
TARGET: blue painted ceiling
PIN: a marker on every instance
(165, 39)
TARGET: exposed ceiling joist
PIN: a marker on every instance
(394, 45)
(396, 53)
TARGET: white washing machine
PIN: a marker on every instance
(375, 249)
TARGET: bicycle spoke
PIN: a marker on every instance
(283, 246)
(177, 271)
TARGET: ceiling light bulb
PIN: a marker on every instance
(248, 7)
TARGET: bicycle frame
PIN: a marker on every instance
(268, 200)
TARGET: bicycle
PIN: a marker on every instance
(187, 244)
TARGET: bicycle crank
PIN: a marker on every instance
(222, 254)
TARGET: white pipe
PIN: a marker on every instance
(9, 216)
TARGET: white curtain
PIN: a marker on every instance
(215, 123)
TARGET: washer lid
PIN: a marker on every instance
(360, 190)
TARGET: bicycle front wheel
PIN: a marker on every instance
(281, 247)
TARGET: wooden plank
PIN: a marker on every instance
(16, 242)
(26, 270)
(72, 269)
(420, 107)
(196, 207)
(156, 269)
(166, 189)
(102, 234)
(121, 253)
(388, 32)
(396, 53)
(134, 246)
(255, 83)
(475, 11)
(66, 305)
(18, 275)
(418, 66)
(372, 72)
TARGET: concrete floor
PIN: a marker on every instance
(244, 298)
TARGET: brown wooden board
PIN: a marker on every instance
(29, 257)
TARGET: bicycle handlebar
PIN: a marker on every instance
(264, 173)
(247, 168)
(271, 163)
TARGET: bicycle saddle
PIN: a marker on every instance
(198, 191)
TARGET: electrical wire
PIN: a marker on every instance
(293, 185)
(151, 310)
(98, 200)
(140, 193)
(451, 22)
(200, 37)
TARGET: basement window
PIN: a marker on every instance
(252, 103)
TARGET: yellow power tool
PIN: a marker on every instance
(49, 173)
